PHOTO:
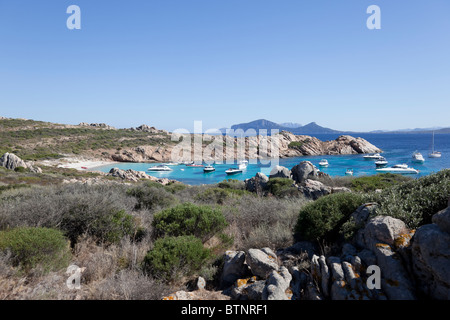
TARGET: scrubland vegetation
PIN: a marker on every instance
(144, 240)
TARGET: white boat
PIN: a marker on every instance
(434, 153)
(323, 163)
(418, 157)
(381, 162)
(349, 172)
(208, 168)
(233, 171)
(375, 156)
(242, 166)
(399, 168)
(160, 167)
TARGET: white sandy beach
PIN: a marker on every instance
(76, 163)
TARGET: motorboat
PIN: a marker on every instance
(381, 162)
(160, 167)
(242, 166)
(399, 168)
(418, 157)
(375, 156)
(323, 163)
(434, 153)
(349, 172)
(233, 171)
(208, 168)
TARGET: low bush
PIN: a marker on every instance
(379, 181)
(416, 201)
(219, 195)
(321, 218)
(33, 247)
(232, 184)
(174, 257)
(295, 145)
(282, 187)
(189, 219)
(152, 195)
(105, 228)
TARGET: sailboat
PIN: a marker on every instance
(434, 154)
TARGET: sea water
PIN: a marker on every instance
(397, 149)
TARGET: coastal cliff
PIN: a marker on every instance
(289, 145)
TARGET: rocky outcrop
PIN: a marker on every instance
(97, 125)
(11, 161)
(234, 267)
(262, 262)
(146, 128)
(257, 184)
(132, 175)
(303, 171)
(410, 265)
(431, 256)
(257, 147)
(280, 172)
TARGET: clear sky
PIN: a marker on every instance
(167, 63)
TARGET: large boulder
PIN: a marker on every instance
(277, 285)
(304, 170)
(133, 175)
(442, 220)
(257, 184)
(11, 161)
(395, 281)
(431, 257)
(234, 267)
(383, 229)
(314, 189)
(280, 172)
(262, 262)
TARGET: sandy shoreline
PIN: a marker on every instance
(81, 164)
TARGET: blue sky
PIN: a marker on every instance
(167, 63)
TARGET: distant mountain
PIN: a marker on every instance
(310, 128)
(436, 130)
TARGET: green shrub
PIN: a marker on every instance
(32, 247)
(20, 169)
(321, 218)
(231, 184)
(416, 201)
(152, 195)
(219, 195)
(295, 145)
(173, 257)
(189, 219)
(105, 227)
(379, 181)
(282, 187)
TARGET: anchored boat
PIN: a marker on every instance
(399, 168)
(209, 168)
(418, 157)
(161, 167)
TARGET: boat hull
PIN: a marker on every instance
(398, 170)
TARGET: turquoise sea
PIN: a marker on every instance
(397, 149)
